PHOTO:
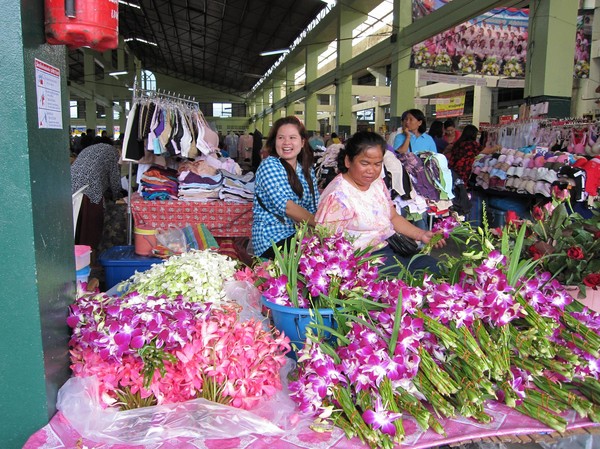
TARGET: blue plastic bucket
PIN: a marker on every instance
(292, 321)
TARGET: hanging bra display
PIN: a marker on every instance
(575, 136)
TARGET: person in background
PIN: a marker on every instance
(285, 187)
(316, 141)
(334, 139)
(462, 154)
(358, 202)
(257, 145)
(436, 131)
(413, 137)
(97, 166)
(451, 134)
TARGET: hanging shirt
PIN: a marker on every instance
(274, 190)
(98, 167)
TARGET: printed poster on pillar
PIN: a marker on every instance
(493, 44)
(47, 87)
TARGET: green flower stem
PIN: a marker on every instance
(542, 399)
(438, 377)
(546, 327)
(497, 354)
(551, 420)
(464, 372)
(564, 369)
(582, 344)
(363, 431)
(590, 388)
(581, 405)
(416, 409)
(472, 350)
(529, 364)
(580, 328)
(387, 395)
(440, 405)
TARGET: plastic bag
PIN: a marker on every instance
(79, 402)
(248, 296)
(172, 241)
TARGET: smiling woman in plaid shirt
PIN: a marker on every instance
(286, 187)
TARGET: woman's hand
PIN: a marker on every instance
(427, 236)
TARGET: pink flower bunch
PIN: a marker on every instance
(445, 226)
(327, 266)
(485, 294)
(210, 353)
(546, 295)
(364, 362)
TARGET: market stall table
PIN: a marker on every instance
(508, 425)
(223, 219)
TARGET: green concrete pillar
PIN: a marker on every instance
(349, 19)
(402, 92)
(550, 52)
(344, 118)
(311, 104)
(38, 268)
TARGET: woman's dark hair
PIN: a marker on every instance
(305, 157)
(418, 114)
(469, 134)
(333, 135)
(449, 123)
(357, 144)
(436, 129)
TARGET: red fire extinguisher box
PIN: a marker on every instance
(83, 23)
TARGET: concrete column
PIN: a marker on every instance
(344, 119)
(311, 104)
(379, 118)
(349, 19)
(38, 266)
(552, 24)
(379, 74)
(482, 105)
(403, 77)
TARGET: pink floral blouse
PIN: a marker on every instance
(364, 215)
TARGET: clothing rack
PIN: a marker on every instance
(140, 94)
(536, 131)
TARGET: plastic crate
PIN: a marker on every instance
(121, 262)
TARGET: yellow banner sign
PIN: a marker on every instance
(450, 105)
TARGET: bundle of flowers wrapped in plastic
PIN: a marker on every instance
(148, 350)
(496, 329)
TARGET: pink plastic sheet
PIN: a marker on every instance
(59, 434)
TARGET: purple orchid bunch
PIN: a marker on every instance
(115, 327)
(380, 355)
(317, 266)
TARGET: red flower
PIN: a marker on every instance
(511, 216)
(592, 280)
(535, 252)
(596, 235)
(537, 213)
(575, 252)
(559, 194)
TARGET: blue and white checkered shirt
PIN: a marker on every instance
(274, 190)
